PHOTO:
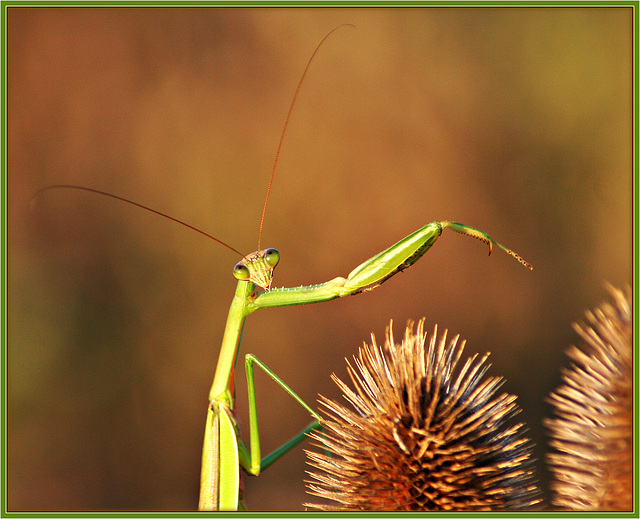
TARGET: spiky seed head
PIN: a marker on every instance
(592, 430)
(422, 434)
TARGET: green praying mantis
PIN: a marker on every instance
(224, 451)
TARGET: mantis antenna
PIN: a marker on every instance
(286, 123)
(131, 202)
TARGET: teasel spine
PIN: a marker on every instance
(421, 435)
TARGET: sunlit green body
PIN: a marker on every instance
(224, 452)
(223, 448)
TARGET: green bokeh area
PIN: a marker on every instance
(517, 121)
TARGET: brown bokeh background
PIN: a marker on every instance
(515, 121)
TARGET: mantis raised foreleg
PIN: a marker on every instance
(223, 448)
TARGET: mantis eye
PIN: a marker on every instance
(272, 257)
(241, 271)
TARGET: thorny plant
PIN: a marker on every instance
(423, 435)
(592, 431)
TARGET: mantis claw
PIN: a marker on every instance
(484, 237)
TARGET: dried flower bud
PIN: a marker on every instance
(592, 431)
(422, 435)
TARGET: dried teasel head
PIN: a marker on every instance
(592, 431)
(422, 435)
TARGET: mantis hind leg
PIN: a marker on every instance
(251, 461)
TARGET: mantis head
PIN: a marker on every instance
(258, 267)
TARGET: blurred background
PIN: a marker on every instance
(514, 121)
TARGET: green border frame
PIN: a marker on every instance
(6, 4)
(321, 3)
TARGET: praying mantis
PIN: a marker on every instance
(224, 451)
